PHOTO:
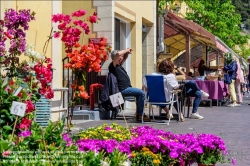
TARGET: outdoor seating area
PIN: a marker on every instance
(104, 83)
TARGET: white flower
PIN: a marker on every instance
(104, 163)
(30, 52)
(31, 64)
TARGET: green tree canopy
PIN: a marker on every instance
(218, 17)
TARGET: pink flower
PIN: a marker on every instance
(62, 26)
(93, 19)
(6, 153)
(56, 35)
(79, 13)
(57, 18)
(25, 123)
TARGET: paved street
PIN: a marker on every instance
(232, 124)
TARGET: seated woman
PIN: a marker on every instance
(166, 68)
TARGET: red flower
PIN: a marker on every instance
(73, 86)
(93, 18)
(25, 123)
(12, 82)
(8, 35)
(29, 106)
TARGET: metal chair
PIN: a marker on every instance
(156, 94)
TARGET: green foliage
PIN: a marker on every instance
(91, 158)
(163, 3)
(244, 51)
(228, 57)
(6, 119)
(218, 17)
(53, 133)
(115, 158)
(243, 8)
(210, 157)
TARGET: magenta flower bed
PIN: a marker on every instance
(201, 148)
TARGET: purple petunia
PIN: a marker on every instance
(67, 139)
(25, 133)
(233, 161)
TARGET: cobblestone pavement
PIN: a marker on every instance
(230, 123)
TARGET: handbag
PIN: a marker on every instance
(227, 79)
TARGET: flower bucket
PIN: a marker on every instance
(184, 163)
(200, 164)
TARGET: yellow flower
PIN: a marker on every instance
(133, 154)
(156, 161)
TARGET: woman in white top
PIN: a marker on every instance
(166, 68)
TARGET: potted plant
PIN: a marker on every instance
(210, 150)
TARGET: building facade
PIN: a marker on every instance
(125, 24)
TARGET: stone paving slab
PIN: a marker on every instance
(230, 123)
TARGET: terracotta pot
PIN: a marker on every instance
(200, 164)
(181, 164)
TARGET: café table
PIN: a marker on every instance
(216, 89)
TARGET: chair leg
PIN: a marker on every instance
(188, 99)
(183, 110)
(159, 111)
(170, 111)
(178, 109)
(151, 109)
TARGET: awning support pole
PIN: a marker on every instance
(207, 56)
(188, 56)
(217, 59)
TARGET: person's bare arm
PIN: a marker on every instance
(123, 53)
(180, 71)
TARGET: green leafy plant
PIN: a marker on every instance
(228, 57)
(218, 17)
(116, 158)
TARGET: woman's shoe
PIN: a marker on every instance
(170, 116)
(182, 118)
(231, 105)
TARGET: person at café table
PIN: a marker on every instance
(231, 69)
(167, 69)
(202, 68)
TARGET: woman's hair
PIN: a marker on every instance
(166, 66)
(202, 62)
(190, 73)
